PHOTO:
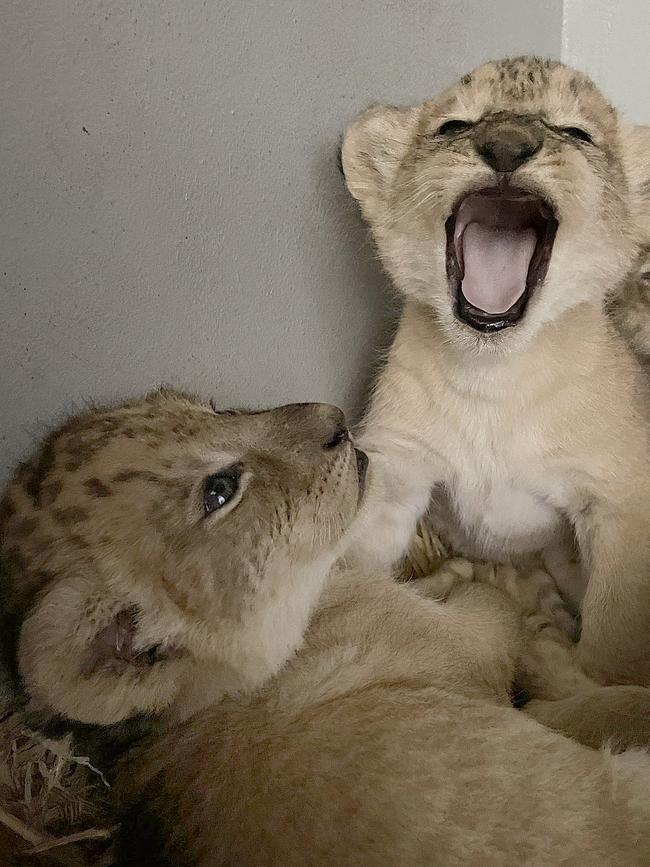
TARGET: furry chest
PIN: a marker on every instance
(503, 518)
(498, 503)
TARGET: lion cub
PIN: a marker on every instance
(503, 210)
(146, 552)
(164, 559)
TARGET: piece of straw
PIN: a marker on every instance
(21, 829)
(47, 793)
(78, 837)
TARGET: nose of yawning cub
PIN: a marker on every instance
(506, 144)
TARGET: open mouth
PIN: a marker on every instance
(499, 244)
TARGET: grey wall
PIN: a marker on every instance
(171, 206)
(609, 39)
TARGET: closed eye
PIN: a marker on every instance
(452, 127)
(576, 132)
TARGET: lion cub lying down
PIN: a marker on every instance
(164, 559)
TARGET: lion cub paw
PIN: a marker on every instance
(440, 583)
(535, 595)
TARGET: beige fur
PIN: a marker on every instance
(630, 306)
(106, 553)
(629, 303)
(387, 740)
(536, 432)
(337, 719)
(636, 157)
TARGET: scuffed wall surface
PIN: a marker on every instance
(171, 207)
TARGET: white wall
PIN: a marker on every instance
(171, 207)
(610, 40)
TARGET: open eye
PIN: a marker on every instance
(451, 127)
(220, 488)
(152, 655)
(578, 133)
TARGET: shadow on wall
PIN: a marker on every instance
(362, 273)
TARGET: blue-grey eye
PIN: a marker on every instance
(220, 488)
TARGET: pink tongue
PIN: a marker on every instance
(496, 265)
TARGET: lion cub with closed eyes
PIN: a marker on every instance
(161, 559)
(504, 210)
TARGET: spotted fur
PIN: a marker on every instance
(106, 519)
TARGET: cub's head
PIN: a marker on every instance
(502, 202)
(162, 552)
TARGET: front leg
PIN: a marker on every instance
(561, 559)
(398, 490)
(614, 543)
(402, 433)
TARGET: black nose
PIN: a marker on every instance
(505, 146)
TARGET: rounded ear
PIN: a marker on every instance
(373, 147)
(88, 658)
(636, 157)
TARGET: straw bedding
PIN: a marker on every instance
(52, 802)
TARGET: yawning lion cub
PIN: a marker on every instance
(503, 211)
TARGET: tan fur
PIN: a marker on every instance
(630, 307)
(563, 698)
(388, 740)
(629, 303)
(105, 523)
(637, 167)
(344, 719)
(538, 428)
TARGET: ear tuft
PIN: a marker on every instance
(372, 150)
(112, 643)
(115, 643)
